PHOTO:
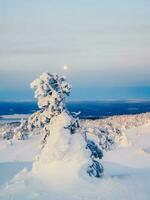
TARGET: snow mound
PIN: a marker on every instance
(61, 145)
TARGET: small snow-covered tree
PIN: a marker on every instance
(62, 136)
(104, 136)
(21, 132)
(50, 90)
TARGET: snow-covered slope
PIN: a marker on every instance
(126, 176)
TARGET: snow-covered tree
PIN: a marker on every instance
(21, 132)
(105, 137)
(62, 137)
(50, 92)
(7, 131)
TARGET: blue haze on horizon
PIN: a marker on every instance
(106, 45)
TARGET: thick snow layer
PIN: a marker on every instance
(126, 176)
(19, 151)
(61, 145)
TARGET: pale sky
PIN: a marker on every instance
(106, 44)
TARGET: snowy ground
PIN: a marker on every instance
(126, 176)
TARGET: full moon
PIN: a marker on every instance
(65, 67)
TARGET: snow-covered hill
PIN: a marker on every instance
(126, 176)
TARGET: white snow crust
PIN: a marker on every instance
(126, 175)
